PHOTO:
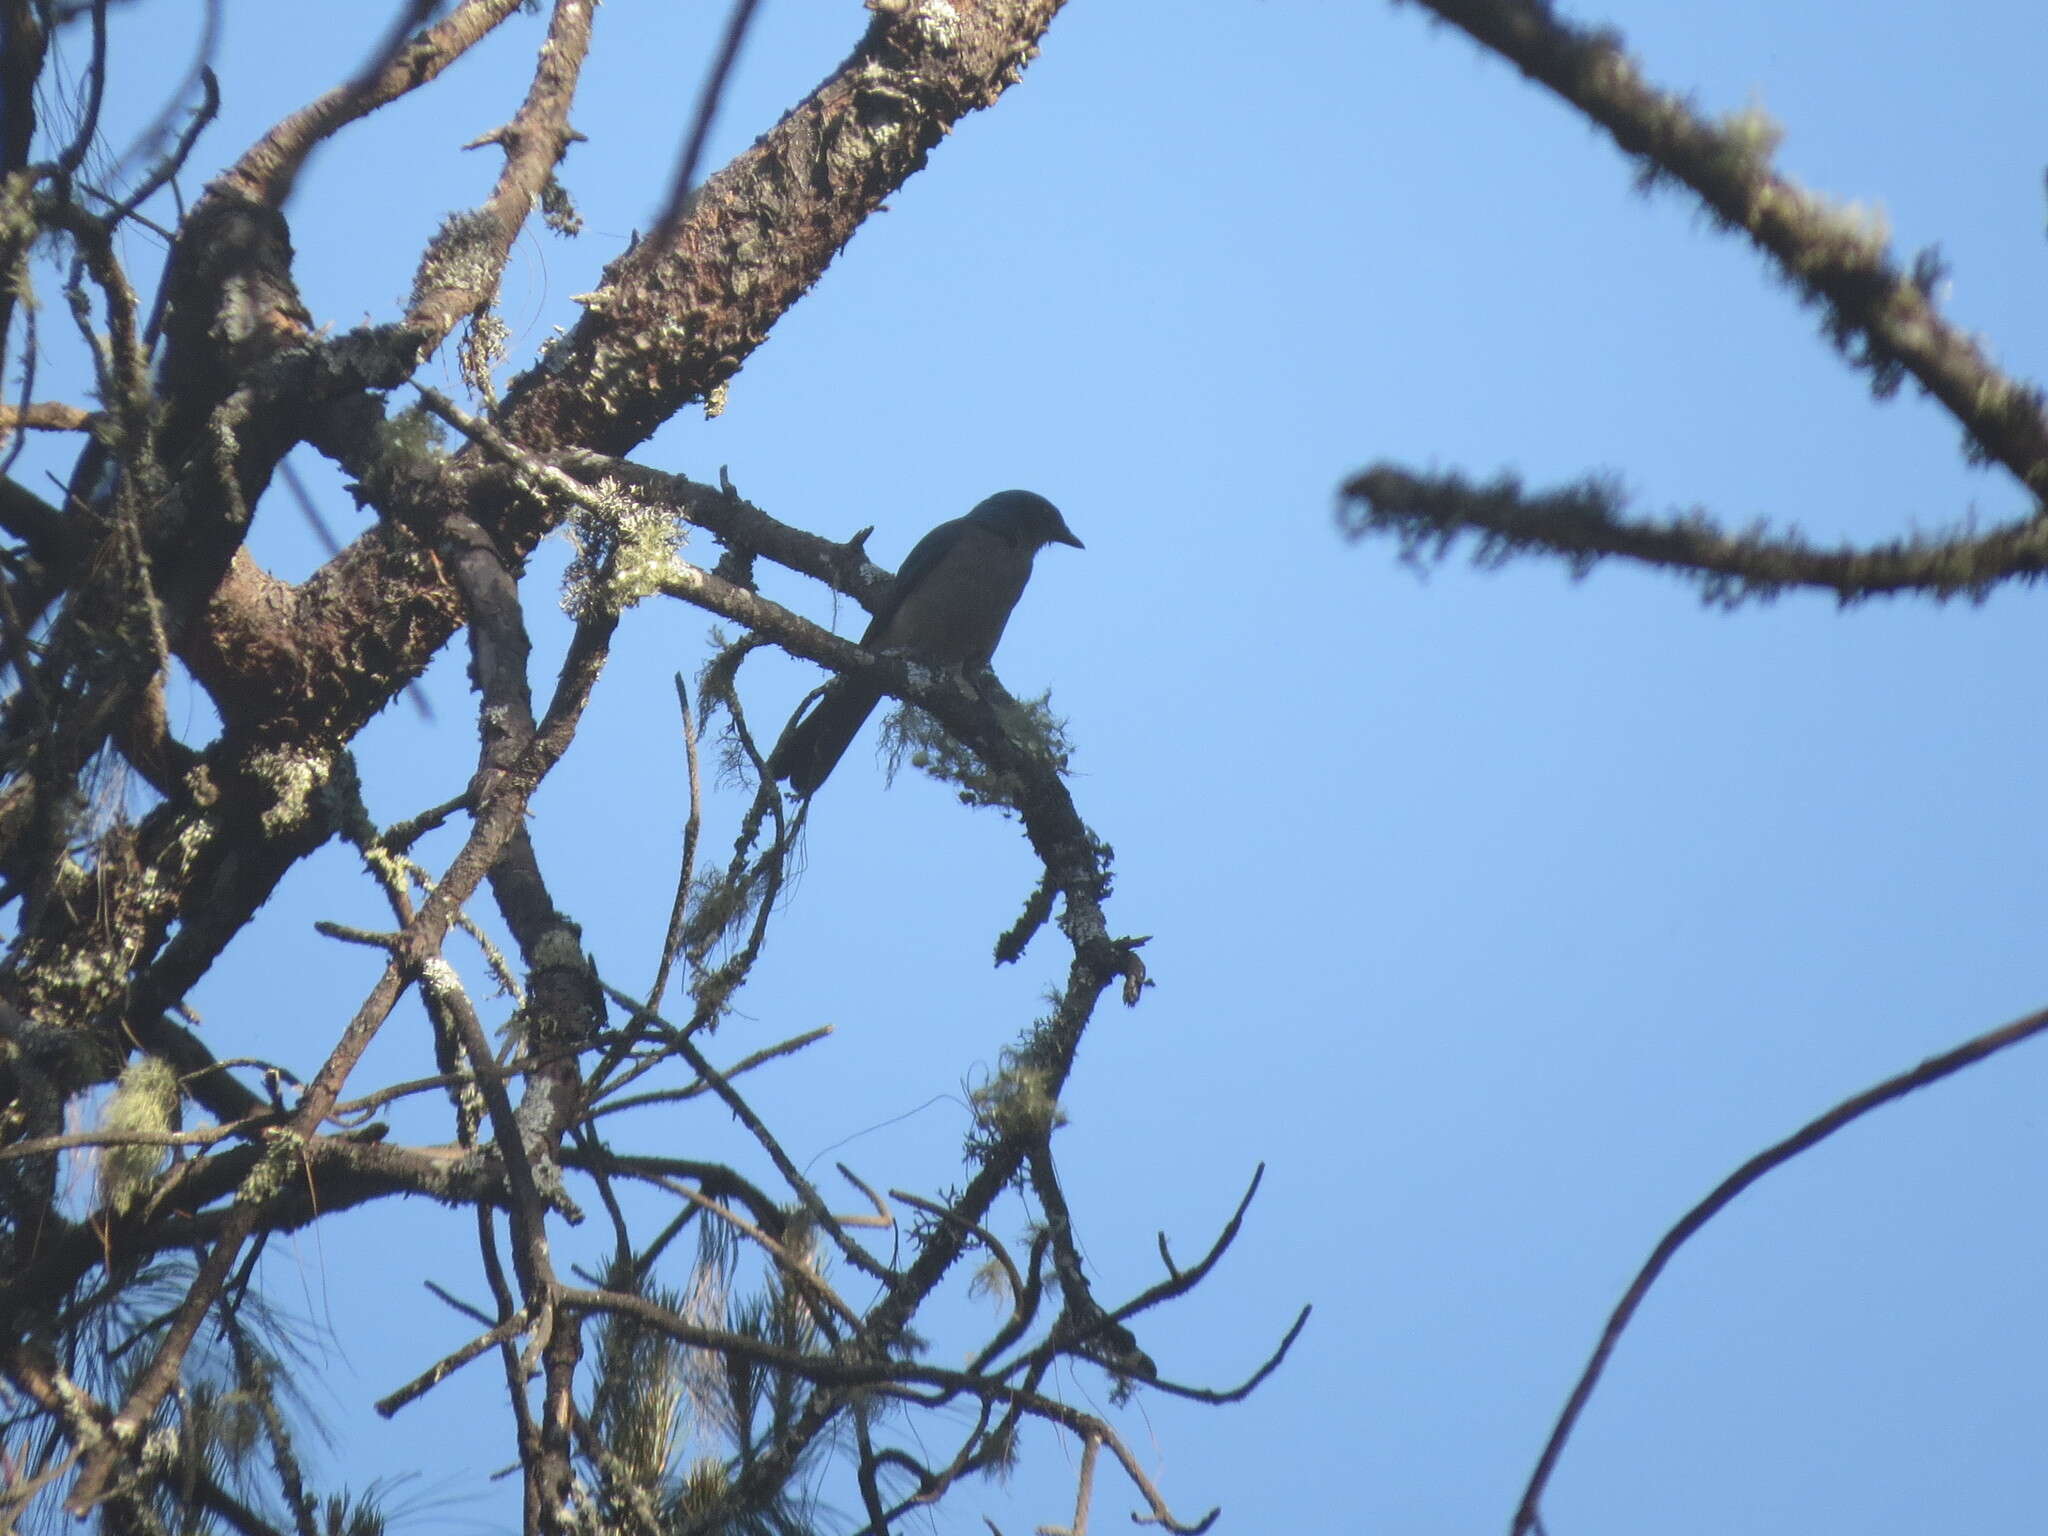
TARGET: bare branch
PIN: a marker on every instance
(267, 171)
(40, 1146)
(746, 1064)
(813, 1202)
(73, 154)
(1221, 1395)
(159, 175)
(1933, 1070)
(687, 872)
(1180, 1281)
(454, 1361)
(45, 416)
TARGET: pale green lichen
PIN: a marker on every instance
(391, 869)
(1993, 396)
(555, 352)
(1615, 73)
(1865, 225)
(558, 209)
(187, 844)
(625, 551)
(1017, 1102)
(494, 958)
(81, 1412)
(912, 736)
(162, 1450)
(284, 1153)
(440, 978)
(484, 346)
(145, 1099)
(293, 778)
(937, 24)
(1753, 133)
(471, 1108)
(78, 983)
(466, 255)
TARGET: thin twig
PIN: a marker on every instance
(452, 1362)
(161, 173)
(745, 1064)
(73, 155)
(455, 1303)
(687, 873)
(1930, 1071)
(792, 1175)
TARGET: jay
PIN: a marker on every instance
(947, 608)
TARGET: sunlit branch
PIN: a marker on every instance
(1585, 523)
(1882, 316)
(267, 171)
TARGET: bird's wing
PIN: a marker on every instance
(924, 556)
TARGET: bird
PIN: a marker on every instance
(947, 607)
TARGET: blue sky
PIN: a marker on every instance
(1499, 916)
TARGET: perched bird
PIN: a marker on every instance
(948, 607)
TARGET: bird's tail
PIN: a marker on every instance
(813, 744)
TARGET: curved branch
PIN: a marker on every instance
(1883, 318)
(95, 92)
(266, 171)
(159, 175)
(1812, 1134)
(1585, 523)
(1215, 1396)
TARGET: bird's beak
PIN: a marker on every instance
(1066, 536)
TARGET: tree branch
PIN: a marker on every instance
(268, 169)
(673, 320)
(459, 272)
(1883, 318)
(1585, 523)
(1528, 1516)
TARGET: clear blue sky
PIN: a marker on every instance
(1499, 916)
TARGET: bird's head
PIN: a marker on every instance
(1026, 518)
